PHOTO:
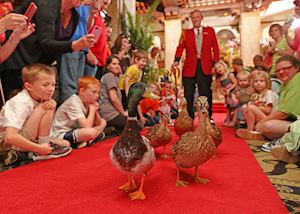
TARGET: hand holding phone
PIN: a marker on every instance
(97, 30)
(289, 22)
(31, 10)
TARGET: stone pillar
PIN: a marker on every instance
(250, 35)
(172, 37)
(115, 10)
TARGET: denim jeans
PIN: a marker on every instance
(90, 70)
(70, 69)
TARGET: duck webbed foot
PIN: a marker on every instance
(180, 183)
(197, 179)
(138, 195)
(165, 156)
(129, 186)
(201, 180)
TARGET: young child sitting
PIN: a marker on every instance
(77, 119)
(25, 120)
(132, 74)
(261, 104)
(165, 109)
(169, 96)
(226, 83)
(149, 107)
(241, 96)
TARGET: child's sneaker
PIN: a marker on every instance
(57, 152)
(100, 137)
(242, 124)
(267, 147)
(109, 130)
(14, 158)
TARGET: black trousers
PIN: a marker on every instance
(11, 80)
(118, 122)
(203, 82)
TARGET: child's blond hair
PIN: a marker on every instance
(86, 81)
(158, 88)
(225, 66)
(241, 74)
(264, 75)
(140, 54)
(31, 72)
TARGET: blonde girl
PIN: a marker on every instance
(226, 83)
(262, 102)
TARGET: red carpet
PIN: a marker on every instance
(219, 108)
(86, 182)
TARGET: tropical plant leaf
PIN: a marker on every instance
(140, 36)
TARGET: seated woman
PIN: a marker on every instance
(111, 108)
(276, 124)
(122, 48)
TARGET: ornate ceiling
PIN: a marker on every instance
(172, 8)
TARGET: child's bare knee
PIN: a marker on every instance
(103, 123)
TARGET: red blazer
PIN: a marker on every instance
(209, 53)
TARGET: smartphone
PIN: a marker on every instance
(97, 30)
(289, 22)
(31, 10)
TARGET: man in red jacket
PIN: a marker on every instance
(202, 51)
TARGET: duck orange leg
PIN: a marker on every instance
(165, 156)
(138, 195)
(198, 179)
(129, 186)
(180, 183)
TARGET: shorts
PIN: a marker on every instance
(71, 137)
(240, 115)
(24, 133)
(13, 156)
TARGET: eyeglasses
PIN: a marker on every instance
(284, 68)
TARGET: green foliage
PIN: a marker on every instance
(137, 29)
(151, 74)
(141, 38)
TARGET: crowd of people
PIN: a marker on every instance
(60, 44)
(262, 102)
(40, 120)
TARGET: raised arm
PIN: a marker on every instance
(18, 34)
(116, 101)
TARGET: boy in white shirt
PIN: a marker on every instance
(25, 120)
(77, 119)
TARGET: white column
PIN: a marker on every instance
(250, 35)
(130, 4)
(172, 37)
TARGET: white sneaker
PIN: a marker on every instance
(57, 152)
(267, 147)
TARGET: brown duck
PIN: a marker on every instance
(214, 132)
(183, 123)
(132, 154)
(194, 148)
(160, 135)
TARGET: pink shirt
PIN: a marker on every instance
(100, 49)
(296, 44)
